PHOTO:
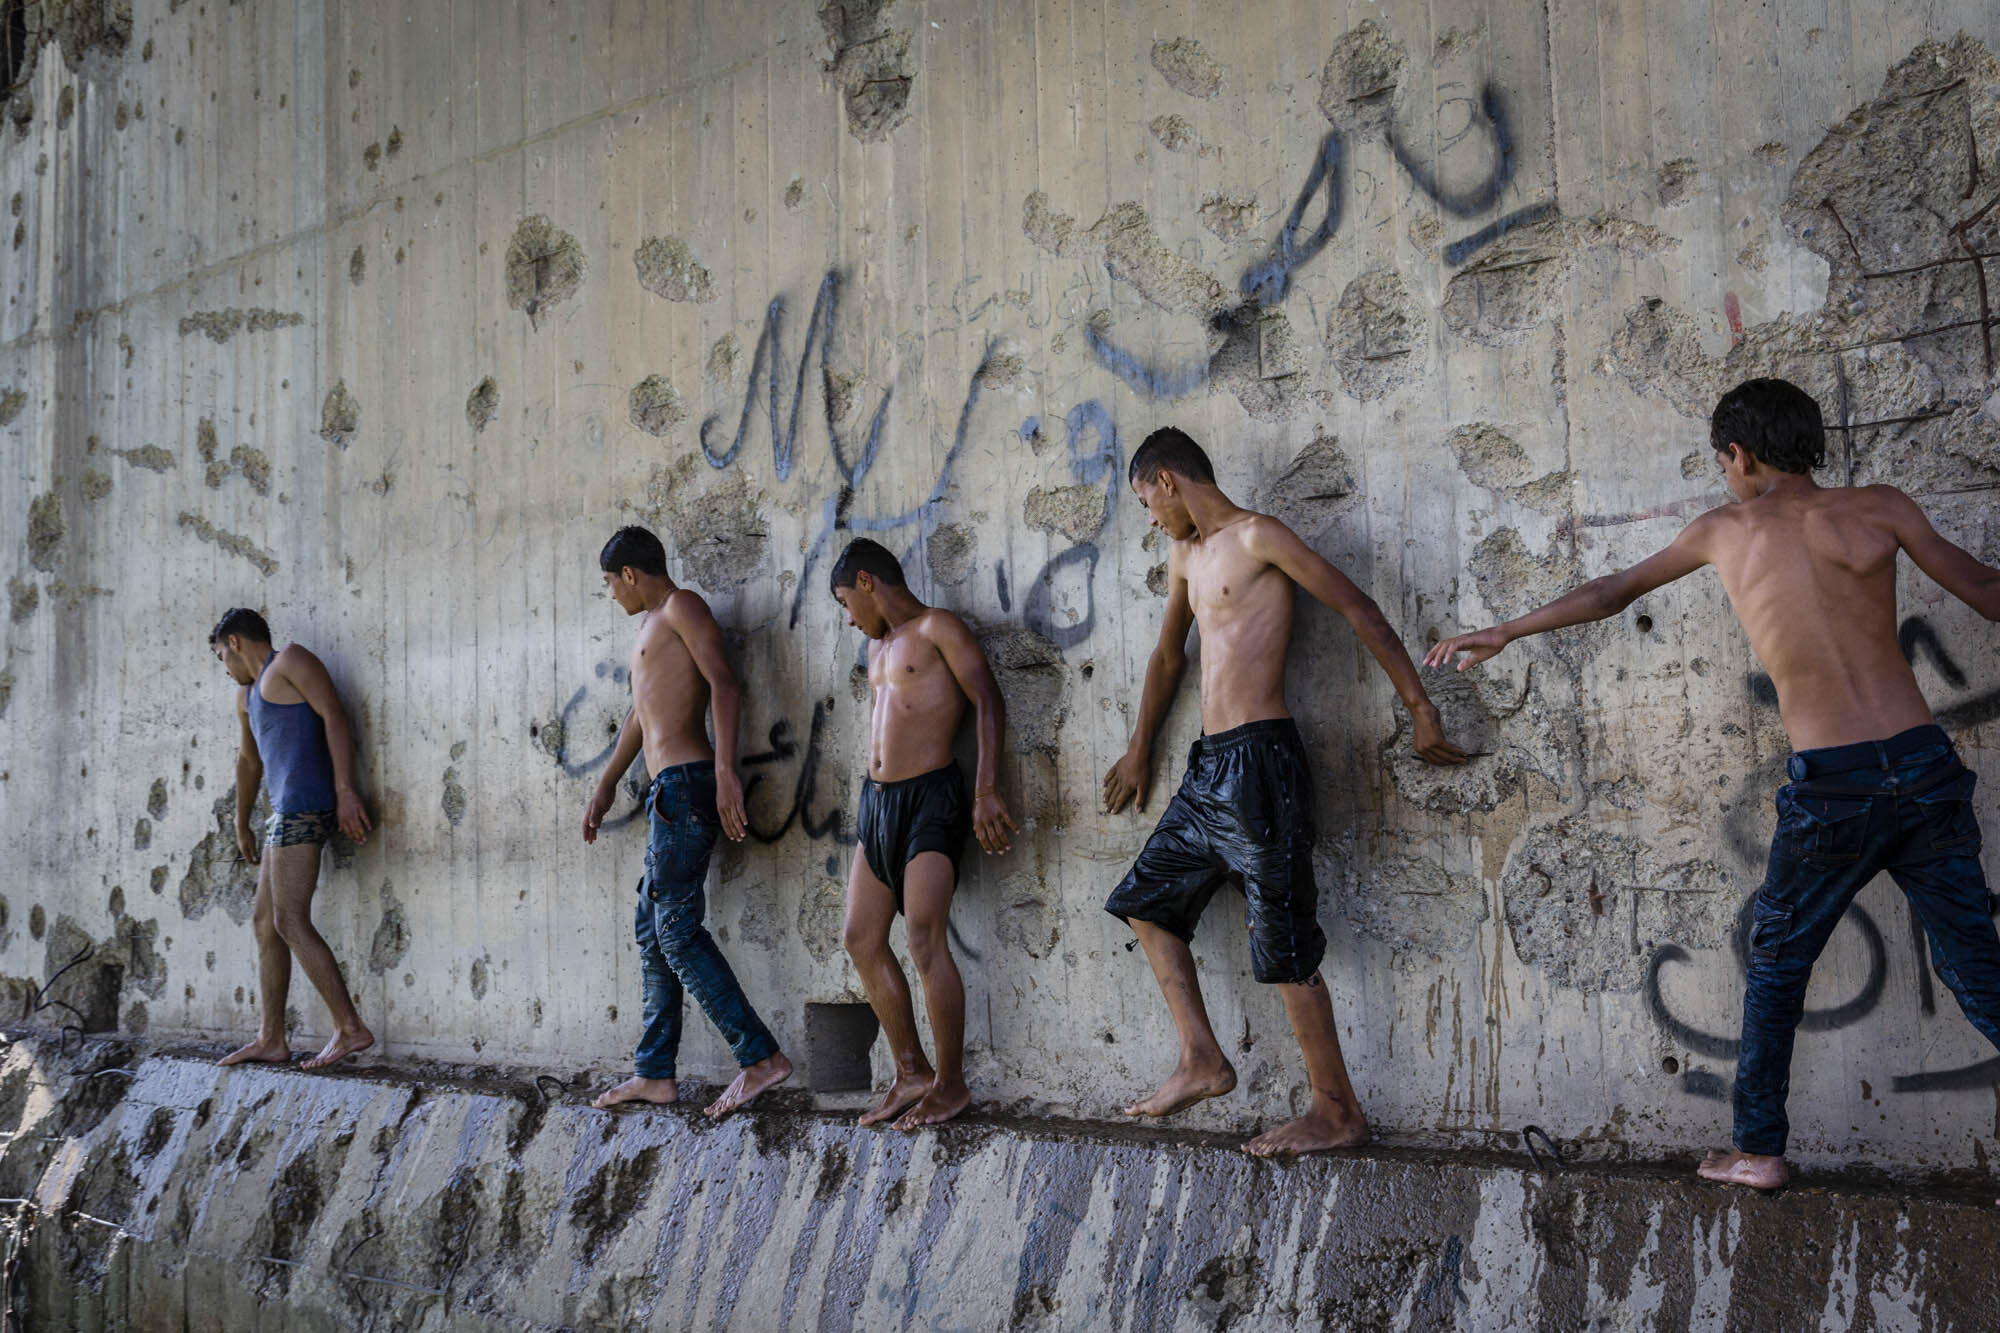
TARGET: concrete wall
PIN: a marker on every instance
(381, 317)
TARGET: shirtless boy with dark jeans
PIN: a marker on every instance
(924, 666)
(297, 743)
(1244, 813)
(1876, 785)
(677, 670)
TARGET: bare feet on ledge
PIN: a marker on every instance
(1186, 1086)
(906, 1091)
(940, 1104)
(658, 1091)
(1322, 1129)
(1751, 1170)
(259, 1052)
(766, 1074)
(339, 1046)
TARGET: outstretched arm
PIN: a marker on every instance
(967, 662)
(1598, 599)
(1132, 776)
(688, 615)
(249, 775)
(1948, 564)
(1271, 540)
(308, 676)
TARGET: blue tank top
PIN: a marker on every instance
(291, 740)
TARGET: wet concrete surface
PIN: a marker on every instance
(146, 1188)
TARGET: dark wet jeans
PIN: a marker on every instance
(676, 952)
(1903, 805)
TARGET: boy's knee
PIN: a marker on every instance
(292, 926)
(929, 947)
(861, 942)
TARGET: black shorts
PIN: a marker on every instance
(1243, 815)
(898, 820)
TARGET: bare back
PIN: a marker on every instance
(1812, 576)
(669, 694)
(918, 701)
(1242, 604)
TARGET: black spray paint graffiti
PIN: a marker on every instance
(1918, 640)
(585, 708)
(1266, 284)
(1104, 463)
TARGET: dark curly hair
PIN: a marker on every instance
(1775, 420)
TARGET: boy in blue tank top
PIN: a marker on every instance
(297, 745)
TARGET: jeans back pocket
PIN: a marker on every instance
(1825, 830)
(1948, 815)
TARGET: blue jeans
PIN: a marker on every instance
(1903, 805)
(675, 949)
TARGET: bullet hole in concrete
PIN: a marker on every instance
(795, 193)
(1123, 240)
(45, 530)
(234, 543)
(870, 65)
(1156, 580)
(669, 269)
(38, 921)
(545, 266)
(1226, 217)
(481, 976)
(156, 799)
(453, 800)
(13, 400)
(720, 535)
(1678, 181)
(142, 834)
(482, 404)
(357, 266)
(1005, 368)
(838, 1039)
(371, 156)
(217, 876)
(1175, 133)
(239, 995)
(65, 108)
(23, 598)
(654, 406)
(392, 934)
(121, 117)
(395, 142)
(1644, 624)
(1187, 68)
(216, 325)
(94, 486)
(721, 364)
(253, 467)
(1033, 678)
(614, 1193)
(1358, 86)
(1075, 512)
(180, 137)
(339, 416)
(458, 749)
(1088, 670)
(151, 457)
(159, 879)
(1030, 917)
(1374, 331)
(948, 553)
(1670, 1066)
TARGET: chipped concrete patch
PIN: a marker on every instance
(1396, 887)
(1188, 68)
(1490, 458)
(871, 65)
(94, 486)
(339, 416)
(1313, 487)
(23, 597)
(1375, 332)
(948, 553)
(1175, 133)
(669, 269)
(252, 466)
(357, 266)
(1124, 241)
(217, 876)
(1678, 181)
(545, 266)
(1228, 218)
(720, 367)
(151, 457)
(718, 535)
(391, 940)
(11, 403)
(45, 530)
(1510, 729)
(482, 404)
(1033, 678)
(231, 542)
(1029, 918)
(453, 800)
(654, 406)
(1357, 88)
(1516, 284)
(221, 325)
(1075, 512)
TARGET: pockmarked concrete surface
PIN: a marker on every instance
(380, 317)
(148, 1189)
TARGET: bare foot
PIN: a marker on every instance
(658, 1091)
(765, 1074)
(1315, 1131)
(940, 1104)
(259, 1052)
(338, 1047)
(1184, 1087)
(1744, 1168)
(907, 1089)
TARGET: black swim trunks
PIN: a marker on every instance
(921, 814)
(1243, 815)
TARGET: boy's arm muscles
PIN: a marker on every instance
(249, 774)
(966, 661)
(1132, 775)
(690, 618)
(1274, 541)
(1598, 599)
(1947, 564)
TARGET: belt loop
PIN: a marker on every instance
(1882, 755)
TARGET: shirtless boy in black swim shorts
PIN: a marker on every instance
(1244, 813)
(924, 666)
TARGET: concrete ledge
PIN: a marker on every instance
(149, 1189)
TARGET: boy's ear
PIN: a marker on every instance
(864, 581)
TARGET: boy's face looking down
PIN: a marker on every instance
(228, 650)
(863, 606)
(623, 585)
(1165, 503)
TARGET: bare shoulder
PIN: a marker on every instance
(296, 662)
(685, 606)
(939, 627)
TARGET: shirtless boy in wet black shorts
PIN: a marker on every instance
(1244, 813)
(924, 666)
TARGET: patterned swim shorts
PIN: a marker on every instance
(295, 828)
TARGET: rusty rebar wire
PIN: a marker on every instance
(1974, 257)
(1895, 421)
(1827, 204)
(1920, 333)
(1528, 1136)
